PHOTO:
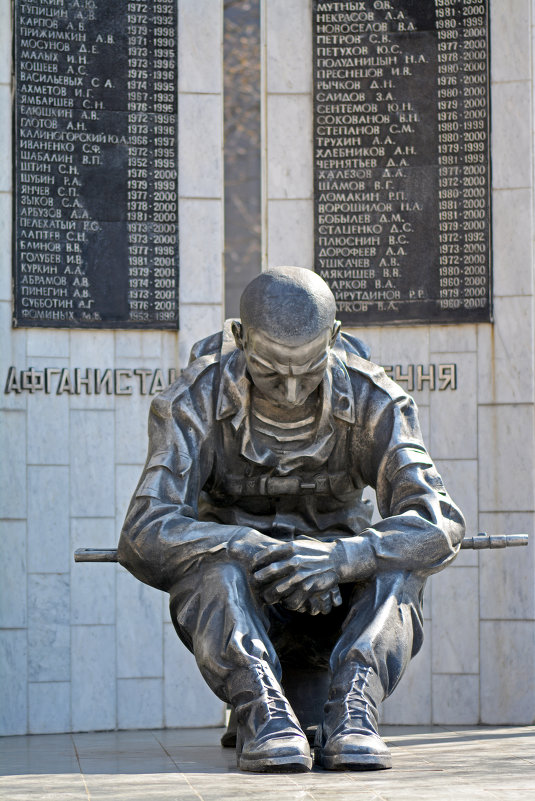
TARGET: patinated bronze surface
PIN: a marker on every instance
(249, 512)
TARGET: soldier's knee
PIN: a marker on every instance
(225, 573)
(211, 582)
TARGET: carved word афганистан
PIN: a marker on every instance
(91, 380)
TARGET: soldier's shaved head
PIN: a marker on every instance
(288, 304)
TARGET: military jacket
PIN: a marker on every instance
(206, 480)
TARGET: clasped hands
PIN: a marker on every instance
(302, 575)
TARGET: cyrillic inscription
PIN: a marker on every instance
(147, 381)
(96, 204)
(89, 380)
(401, 144)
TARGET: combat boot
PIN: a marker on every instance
(269, 737)
(348, 738)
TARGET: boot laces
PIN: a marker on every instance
(270, 698)
(358, 705)
(277, 706)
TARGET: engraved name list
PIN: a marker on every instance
(401, 145)
(96, 234)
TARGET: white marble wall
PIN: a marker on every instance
(87, 646)
(478, 660)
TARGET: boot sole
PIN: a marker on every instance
(356, 762)
(281, 764)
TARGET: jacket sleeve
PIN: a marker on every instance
(422, 528)
(162, 536)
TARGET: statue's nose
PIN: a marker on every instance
(291, 389)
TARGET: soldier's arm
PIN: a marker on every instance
(421, 528)
(162, 535)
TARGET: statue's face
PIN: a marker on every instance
(288, 373)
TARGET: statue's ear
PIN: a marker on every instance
(336, 330)
(237, 330)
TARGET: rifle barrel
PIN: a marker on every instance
(477, 543)
(95, 555)
(484, 540)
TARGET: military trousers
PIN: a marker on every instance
(220, 616)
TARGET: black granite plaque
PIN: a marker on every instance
(401, 145)
(95, 154)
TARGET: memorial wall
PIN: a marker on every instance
(404, 127)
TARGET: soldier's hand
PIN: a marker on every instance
(303, 574)
(319, 603)
(246, 544)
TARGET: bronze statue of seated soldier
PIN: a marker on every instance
(249, 512)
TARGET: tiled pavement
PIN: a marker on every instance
(189, 765)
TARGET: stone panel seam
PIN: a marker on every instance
(27, 576)
(478, 595)
(198, 303)
(443, 673)
(93, 517)
(478, 463)
(50, 464)
(88, 625)
(431, 678)
(507, 619)
(27, 627)
(454, 458)
(509, 297)
(86, 409)
(48, 573)
(505, 83)
(70, 619)
(506, 511)
(141, 678)
(291, 200)
(521, 404)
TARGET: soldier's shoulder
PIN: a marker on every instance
(208, 346)
(365, 373)
(349, 344)
(199, 377)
